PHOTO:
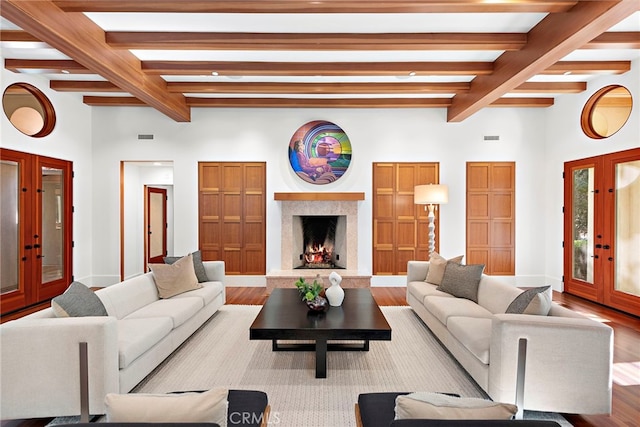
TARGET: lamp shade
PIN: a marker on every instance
(435, 194)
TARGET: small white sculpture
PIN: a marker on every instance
(335, 294)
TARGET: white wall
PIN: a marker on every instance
(70, 140)
(565, 141)
(376, 135)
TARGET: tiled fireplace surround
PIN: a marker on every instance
(333, 204)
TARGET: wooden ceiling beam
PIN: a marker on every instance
(116, 101)
(615, 40)
(315, 41)
(318, 88)
(49, 66)
(240, 68)
(326, 6)
(243, 68)
(78, 37)
(551, 39)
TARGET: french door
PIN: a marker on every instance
(602, 229)
(36, 217)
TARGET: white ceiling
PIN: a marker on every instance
(373, 23)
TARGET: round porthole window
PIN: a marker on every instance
(29, 110)
(606, 111)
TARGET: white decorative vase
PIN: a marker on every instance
(335, 294)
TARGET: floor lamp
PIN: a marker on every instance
(430, 195)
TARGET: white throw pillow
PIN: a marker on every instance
(206, 407)
(443, 407)
(176, 278)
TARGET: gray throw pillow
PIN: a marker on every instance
(461, 281)
(78, 301)
(198, 266)
(526, 299)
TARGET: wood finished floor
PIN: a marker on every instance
(626, 399)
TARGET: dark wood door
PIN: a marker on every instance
(232, 215)
(491, 216)
(36, 228)
(601, 239)
(400, 227)
(156, 224)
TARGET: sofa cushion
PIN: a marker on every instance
(437, 264)
(443, 308)
(176, 278)
(198, 266)
(421, 289)
(123, 298)
(440, 406)
(136, 336)
(78, 301)
(462, 280)
(178, 309)
(208, 292)
(210, 406)
(473, 333)
(532, 301)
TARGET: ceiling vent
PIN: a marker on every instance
(145, 136)
(491, 138)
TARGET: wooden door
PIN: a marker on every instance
(156, 224)
(232, 215)
(601, 238)
(399, 226)
(36, 228)
(491, 216)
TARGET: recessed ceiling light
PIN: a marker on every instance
(412, 73)
(157, 164)
(64, 71)
(566, 73)
(214, 73)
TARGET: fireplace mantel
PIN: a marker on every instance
(319, 196)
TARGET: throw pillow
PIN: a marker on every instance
(198, 266)
(444, 407)
(437, 264)
(176, 278)
(532, 301)
(207, 407)
(78, 301)
(462, 281)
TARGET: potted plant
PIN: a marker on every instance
(311, 294)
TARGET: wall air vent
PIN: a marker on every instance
(145, 136)
(491, 138)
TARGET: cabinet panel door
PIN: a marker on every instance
(491, 216)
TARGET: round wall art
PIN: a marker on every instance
(319, 152)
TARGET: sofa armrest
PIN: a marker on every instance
(417, 271)
(215, 271)
(40, 357)
(568, 363)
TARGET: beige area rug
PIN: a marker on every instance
(220, 354)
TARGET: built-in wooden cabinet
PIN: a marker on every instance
(400, 227)
(232, 215)
(491, 216)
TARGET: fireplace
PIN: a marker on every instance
(320, 241)
(341, 206)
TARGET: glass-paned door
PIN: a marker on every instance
(36, 244)
(602, 229)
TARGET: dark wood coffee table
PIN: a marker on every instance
(285, 316)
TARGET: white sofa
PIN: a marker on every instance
(569, 356)
(40, 352)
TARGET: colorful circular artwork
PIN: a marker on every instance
(319, 152)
